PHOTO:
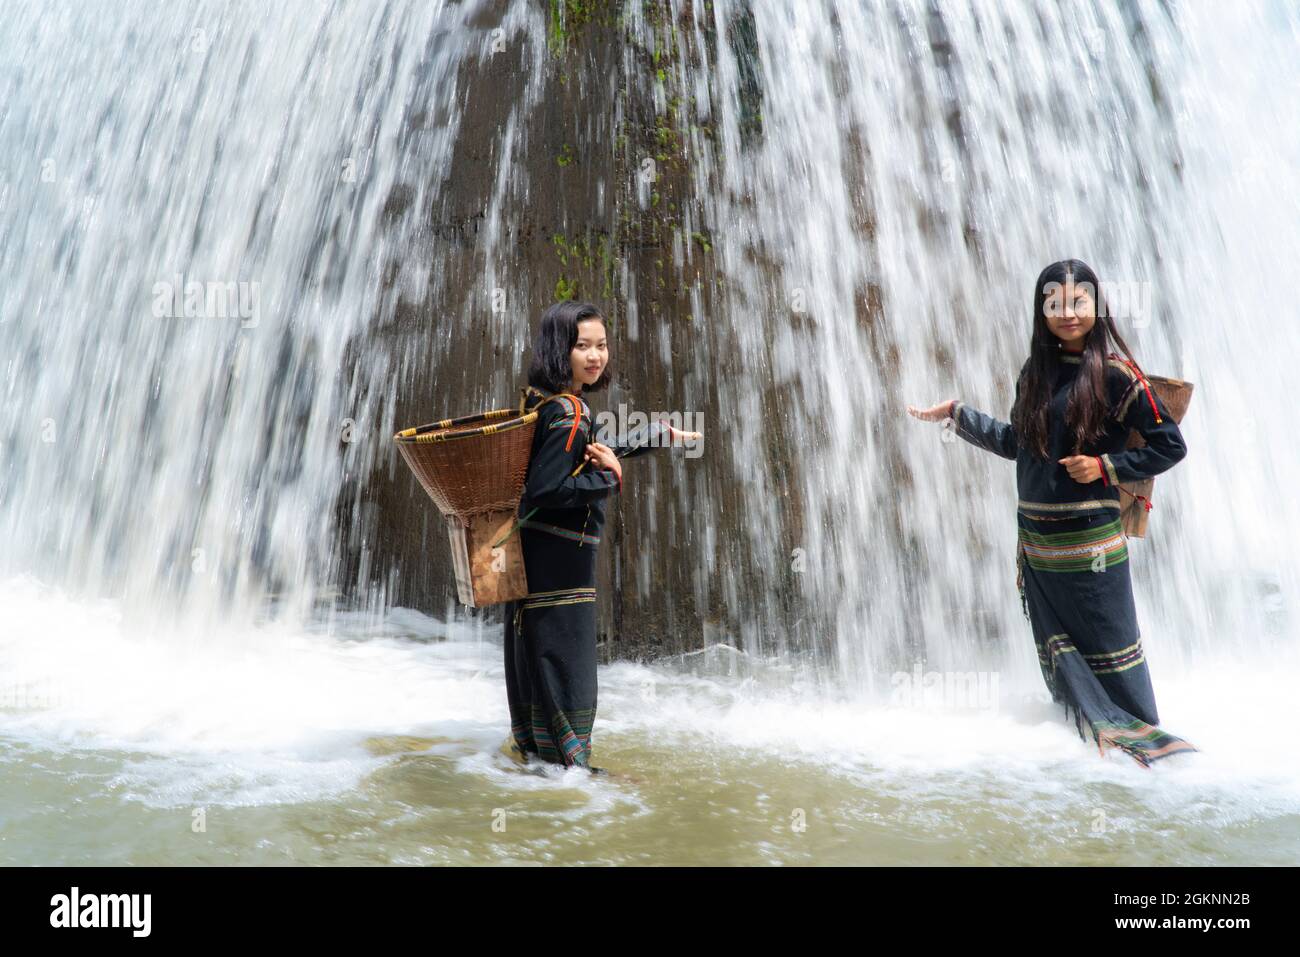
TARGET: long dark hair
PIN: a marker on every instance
(552, 367)
(1086, 408)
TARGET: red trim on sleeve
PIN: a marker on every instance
(1102, 465)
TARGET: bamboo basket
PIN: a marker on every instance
(1175, 394)
(473, 468)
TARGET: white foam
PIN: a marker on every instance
(274, 716)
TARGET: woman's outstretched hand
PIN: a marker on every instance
(936, 413)
(677, 436)
(603, 457)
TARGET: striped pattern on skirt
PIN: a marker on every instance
(550, 650)
(1074, 582)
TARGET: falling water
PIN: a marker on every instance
(183, 450)
(881, 183)
(879, 230)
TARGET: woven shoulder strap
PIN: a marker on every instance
(1141, 377)
(571, 403)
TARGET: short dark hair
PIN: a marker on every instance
(551, 367)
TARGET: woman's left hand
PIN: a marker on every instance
(602, 456)
(1082, 468)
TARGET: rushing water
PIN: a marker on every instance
(915, 166)
(932, 158)
(379, 745)
(185, 453)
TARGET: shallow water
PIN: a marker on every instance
(379, 743)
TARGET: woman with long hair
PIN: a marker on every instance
(550, 636)
(1075, 403)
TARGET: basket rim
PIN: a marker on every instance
(439, 431)
(1170, 380)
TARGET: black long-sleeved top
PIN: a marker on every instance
(570, 506)
(1044, 486)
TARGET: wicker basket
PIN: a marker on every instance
(1175, 394)
(473, 468)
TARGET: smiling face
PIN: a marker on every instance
(1071, 311)
(590, 353)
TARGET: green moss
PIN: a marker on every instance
(652, 11)
(568, 17)
(667, 138)
(596, 255)
(653, 226)
(566, 156)
(565, 289)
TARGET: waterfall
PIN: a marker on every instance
(883, 182)
(880, 184)
(203, 206)
(242, 243)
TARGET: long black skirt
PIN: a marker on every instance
(550, 650)
(1078, 595)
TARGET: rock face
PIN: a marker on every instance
(569, 179)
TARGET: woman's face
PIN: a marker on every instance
(590, 353)
(1070, 311)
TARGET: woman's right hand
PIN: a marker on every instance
(936, 413)
(678, 437)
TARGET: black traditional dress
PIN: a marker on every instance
(1072, 556)
(550, 636)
